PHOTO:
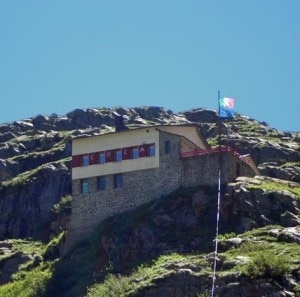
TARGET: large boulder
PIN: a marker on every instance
(246, 207)
(286, 172)
(202, 115)
(83, 119)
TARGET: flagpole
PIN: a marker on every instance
(219, 199)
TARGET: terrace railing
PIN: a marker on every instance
(222, 149)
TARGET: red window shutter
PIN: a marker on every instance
(126, 153)
(143, 150)
(93, 158)
(76, 161)
(109, 156)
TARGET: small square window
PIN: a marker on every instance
(101, 183)
(135, 153)
(101, 158)
(85, 160)
(167, 147)
(118, 180)
(152, 150)
(85, 186)
(118, 155)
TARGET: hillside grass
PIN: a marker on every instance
(86, 271)
(32, 277)
(32, 283)
(146, 276)
(24, 177)
(268, 258)
(272, 185)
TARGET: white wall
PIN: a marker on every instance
(112, 141)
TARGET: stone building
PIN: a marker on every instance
(119, 171)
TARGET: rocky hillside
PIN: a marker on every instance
(35, 193)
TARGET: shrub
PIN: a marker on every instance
(52, 249)
(113, 286)
(266, 264)
(63, 206)
(31, 284)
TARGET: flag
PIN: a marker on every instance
(226, 107)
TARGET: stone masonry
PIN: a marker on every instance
(142, 186)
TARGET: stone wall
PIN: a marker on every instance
(142, 186)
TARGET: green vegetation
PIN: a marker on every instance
(212, 141)
(269, 257)
(27, 246)
(32, 277)
(290, 164)
(63, 206)
(89, 271)
(247, 127)
(24, 177)
(266, 264)
(51, 251)
(146, 276)
(297, 290)
(33, 283)
(21, 178)
(226, 236)
(271, 185)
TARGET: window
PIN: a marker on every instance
(152, 150)
(167, 147)
(85, 160)
(118, 180)
(135, 153)
(101, 183)
(84, 185)
(118, 155)
(101, 158)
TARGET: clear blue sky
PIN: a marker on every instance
(56, 56)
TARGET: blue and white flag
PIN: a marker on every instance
(226, 106)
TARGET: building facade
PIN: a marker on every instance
(115, 172)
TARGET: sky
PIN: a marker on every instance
(59, 55)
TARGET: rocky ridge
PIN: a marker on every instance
(35, 175)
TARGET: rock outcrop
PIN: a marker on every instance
(28, 145)
(35, 168)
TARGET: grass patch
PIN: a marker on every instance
(145, 276)
(226, 236)
(290, 164)
(24, 177)
(32, 277)
(27, 246)
(271, 186)
(268, 256)
(63, 206)
(212, 141)
(51, 251)
(33, 283)
(266, 264)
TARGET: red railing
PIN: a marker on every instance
(245, 158)
(209, 151)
